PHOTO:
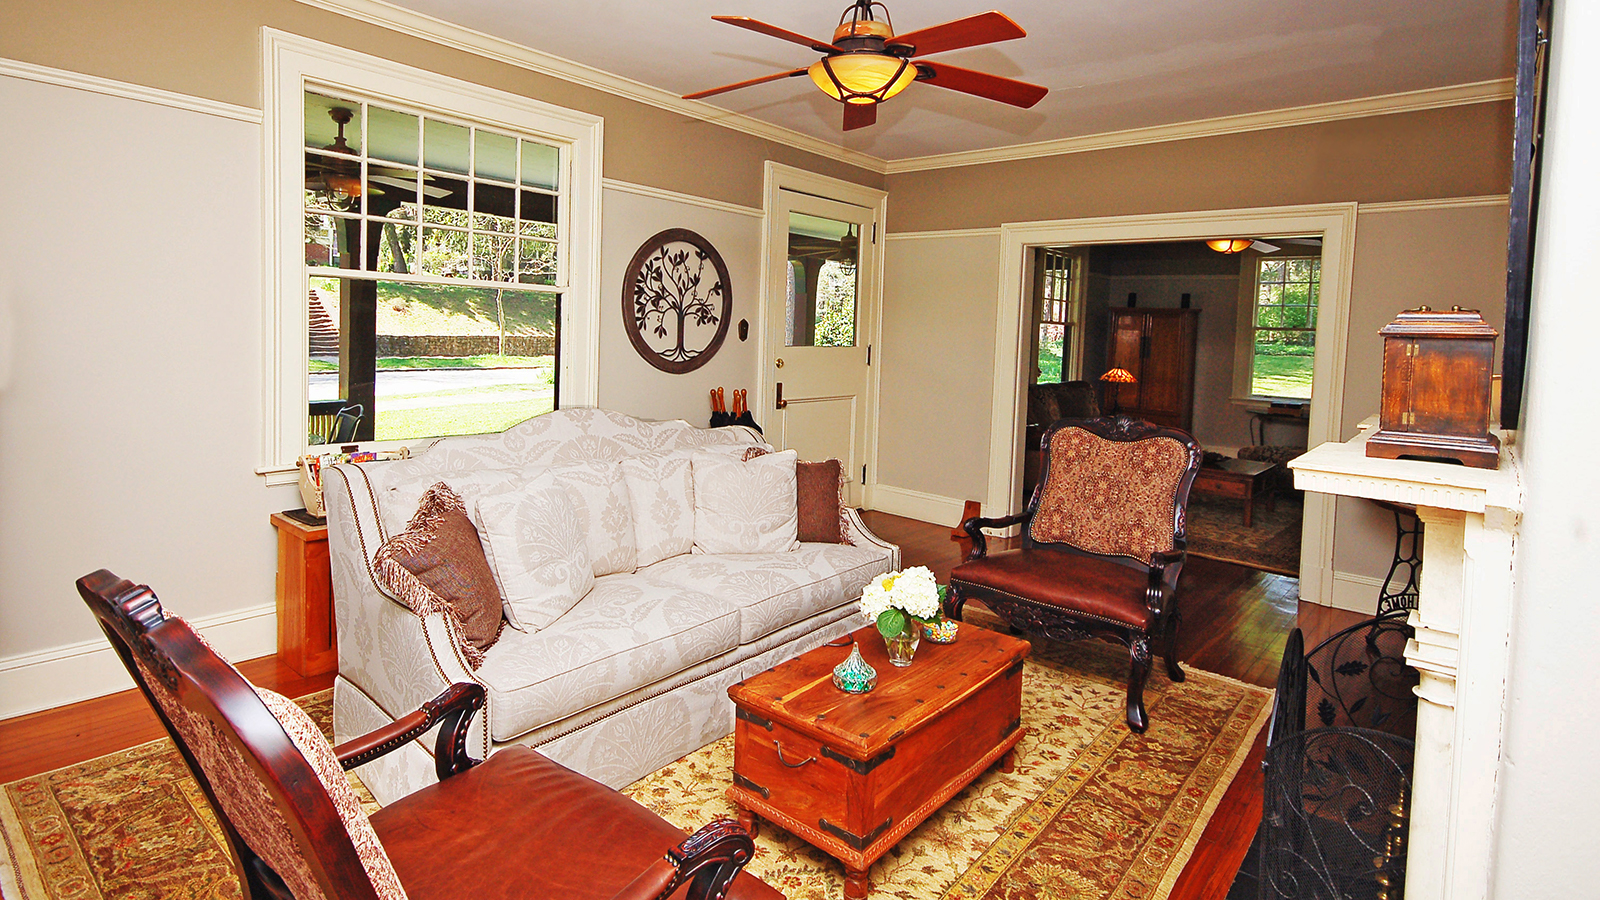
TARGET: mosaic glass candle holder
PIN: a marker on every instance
(854, 675)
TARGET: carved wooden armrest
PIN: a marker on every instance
(1164, 569)
(707, 860)
(980, 543)
(455, 708)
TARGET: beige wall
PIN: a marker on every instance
(1462, 151)
(935, 386)
(213, 50)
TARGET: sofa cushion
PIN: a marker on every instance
(745, 506)
(437, 564)
(775, 590)
(539, 557)
(819, 494)
(399, 499)
(661, 489)
(605, 515)
(628, 632)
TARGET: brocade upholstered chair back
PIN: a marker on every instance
(1111, 497)
(238, 741)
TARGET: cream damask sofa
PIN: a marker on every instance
(632, 677)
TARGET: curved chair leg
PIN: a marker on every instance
(1138, 670)
(953, 602)
(1171, 646)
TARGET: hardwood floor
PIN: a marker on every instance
(1235, 623)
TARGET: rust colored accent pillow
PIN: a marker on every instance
(437, 565)
(819, 490)
(1112, 497)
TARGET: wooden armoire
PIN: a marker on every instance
(1156, 346)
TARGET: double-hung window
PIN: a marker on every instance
(433, 257)
(1283, 327)
(1057, 309)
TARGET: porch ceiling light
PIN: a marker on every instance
(1229, 245)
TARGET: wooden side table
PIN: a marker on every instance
(1240, 479)
(306, 639)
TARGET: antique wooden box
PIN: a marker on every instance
(853, 773)
(1438, 371)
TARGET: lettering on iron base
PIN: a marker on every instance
(856, 765)
(749, 785)
(859, 843)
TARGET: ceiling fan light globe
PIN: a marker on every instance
(1229, 245)
(862, 77)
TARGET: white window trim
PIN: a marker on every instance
(1245, 327)
(291, 64)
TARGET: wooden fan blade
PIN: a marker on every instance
(859, 115)
(983, 28)
(697, 95)
(981, 84)
(782, 34)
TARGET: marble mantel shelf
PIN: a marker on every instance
(1462, 621)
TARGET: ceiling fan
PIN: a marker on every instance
(340, 177)
(1237, 245)
(866, 63)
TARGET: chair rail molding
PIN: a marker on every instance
(1461, 649)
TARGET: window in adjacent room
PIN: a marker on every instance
(1283, 330)
(432, 250)
(1056, 316)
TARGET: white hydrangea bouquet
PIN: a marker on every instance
(893, 600)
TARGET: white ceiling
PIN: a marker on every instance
(1110, 65)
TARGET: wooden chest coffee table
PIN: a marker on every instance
(853, 773)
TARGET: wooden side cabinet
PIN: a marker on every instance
(1157, 346)
(306, 639)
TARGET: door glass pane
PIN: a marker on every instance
(823, 258)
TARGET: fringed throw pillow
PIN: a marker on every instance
(437, 565)
(819, 492)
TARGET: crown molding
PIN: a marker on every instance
(1441, 203)
(405, 21)
(1382, 105)
(944, 233)
(96, 84)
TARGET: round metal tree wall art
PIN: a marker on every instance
(676, 301)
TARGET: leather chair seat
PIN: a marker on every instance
(519, 810)
(1089, 586)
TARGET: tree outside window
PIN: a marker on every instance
(1283, 342)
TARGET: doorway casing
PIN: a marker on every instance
(1334, 223)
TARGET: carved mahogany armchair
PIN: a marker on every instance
(1102, 544)
(514, 825)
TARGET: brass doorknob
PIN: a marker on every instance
(780, 362)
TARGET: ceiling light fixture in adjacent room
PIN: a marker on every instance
(1230, 245)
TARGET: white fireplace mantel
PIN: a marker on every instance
(1462, 623)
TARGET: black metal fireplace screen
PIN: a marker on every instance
(1338, 767)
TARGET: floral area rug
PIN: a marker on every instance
(1090, 810)
(130, 824)
(1272, 543)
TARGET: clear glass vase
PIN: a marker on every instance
(904, 645)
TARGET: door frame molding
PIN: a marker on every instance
(1335, 223)
(777, 177)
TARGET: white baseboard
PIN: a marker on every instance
(1355, 593)
(51, 678)
(917, 505)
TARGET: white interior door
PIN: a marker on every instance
(821, 313)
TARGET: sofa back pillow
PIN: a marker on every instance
(604, 513)
(819, 494)
(437, 564)
(661, 489)
(745, 506)
(539, 557)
